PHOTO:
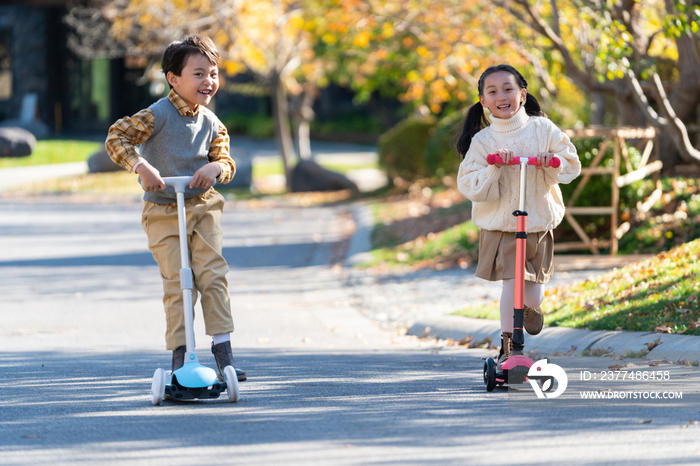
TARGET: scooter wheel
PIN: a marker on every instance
(158, 387)
(490, 374)
(231, 380)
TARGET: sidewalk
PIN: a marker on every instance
(428, 298)
(323, 152)
(10, 177)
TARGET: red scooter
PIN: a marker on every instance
(516, 367)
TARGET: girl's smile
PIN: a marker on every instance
(501, 95)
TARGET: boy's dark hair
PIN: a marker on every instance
(475, 120)
(175, 56)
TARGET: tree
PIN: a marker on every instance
(265, 38)
(425, 52)
(626, 50)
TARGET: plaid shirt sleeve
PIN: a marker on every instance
(219, 152)
(126, 134)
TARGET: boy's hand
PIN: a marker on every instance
(150, 177)
(206, 176)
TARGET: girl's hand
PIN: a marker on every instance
(544, 158)
(205, 176)
(507, 156)
(150, 177)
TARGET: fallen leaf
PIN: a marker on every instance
(663, 329)
(653, 344)
(571, 350)
(644, 421)
(692, 421)
(466, 341)
(617, 367)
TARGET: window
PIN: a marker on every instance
(5, 66)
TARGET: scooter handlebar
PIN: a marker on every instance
(178, 182)
(494, 159)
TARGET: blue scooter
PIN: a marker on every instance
(192, 380)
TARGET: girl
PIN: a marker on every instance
(517, 128)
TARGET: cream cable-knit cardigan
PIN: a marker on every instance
(494, 191)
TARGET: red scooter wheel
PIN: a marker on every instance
(490, 374)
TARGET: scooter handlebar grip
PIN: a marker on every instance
(493, 159)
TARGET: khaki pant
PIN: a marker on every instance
(209, 268)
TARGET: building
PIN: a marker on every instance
(67, 93)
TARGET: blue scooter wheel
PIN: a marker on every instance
(158, 387)
(231, 380)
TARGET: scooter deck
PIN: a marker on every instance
(180, 393)
(515, 370)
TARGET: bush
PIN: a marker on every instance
(440, 158)
(402, 148)
(256, 125)
(598, 190)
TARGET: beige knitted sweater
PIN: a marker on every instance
(494, 191)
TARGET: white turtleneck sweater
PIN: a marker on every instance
(495, 191)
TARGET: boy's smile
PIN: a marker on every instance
(198, 81)
(502, 96)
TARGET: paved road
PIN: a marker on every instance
(80, 336)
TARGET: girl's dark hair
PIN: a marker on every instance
(175, 56)
(475, 120)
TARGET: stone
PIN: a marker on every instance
(38, 128)
(309, 176)
(244, 174)
(16, 142)
(99, 162)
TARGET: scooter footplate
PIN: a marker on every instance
(180, 393)
(516, 368)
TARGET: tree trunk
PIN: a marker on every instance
(304, 138)
(302, 115)
(283, 133)
(599, 108)
(628, 113)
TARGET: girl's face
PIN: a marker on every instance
(501, 95)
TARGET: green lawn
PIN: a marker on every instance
(48, 151)
(658, 294)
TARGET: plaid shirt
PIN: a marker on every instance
(129, 132)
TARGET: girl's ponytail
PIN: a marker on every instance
(474, 121)
(532, 106)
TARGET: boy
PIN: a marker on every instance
(180, 137)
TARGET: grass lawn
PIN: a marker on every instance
(48, 151)
(274, 166)
(659, 294)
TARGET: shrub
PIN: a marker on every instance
(440, 158)
(255, 125)
(402, 148)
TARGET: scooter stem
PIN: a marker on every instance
(520, 248)
(186, 282)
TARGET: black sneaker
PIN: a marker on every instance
(178, 357)
(224, 357)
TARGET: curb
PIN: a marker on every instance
(565, 341)
(552, 340)
(361, 240)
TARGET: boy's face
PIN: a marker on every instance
(198, 83)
